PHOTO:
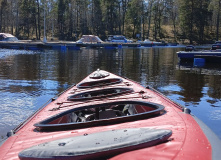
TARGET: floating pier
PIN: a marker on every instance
(32, 45)
(38, 45)
(207, 55)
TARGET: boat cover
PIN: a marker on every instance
(97, 145)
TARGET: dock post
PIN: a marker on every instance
(63, 47)
(119, 45)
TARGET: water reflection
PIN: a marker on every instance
(28, 79)
(214, 84)
(191, 86)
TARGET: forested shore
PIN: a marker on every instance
(183, 21)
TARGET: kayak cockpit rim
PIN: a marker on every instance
(99, 83)
(102, 93)
(101, 114)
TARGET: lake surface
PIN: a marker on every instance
(28, 79)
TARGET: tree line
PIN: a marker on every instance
(191, 21)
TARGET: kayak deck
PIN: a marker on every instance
(187, 140)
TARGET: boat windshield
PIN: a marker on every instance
(101, 114)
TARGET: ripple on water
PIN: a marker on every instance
(215, 115)
(14, 110)
(4, 53)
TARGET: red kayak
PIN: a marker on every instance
(109, 117)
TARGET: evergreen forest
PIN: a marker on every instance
(182, 21)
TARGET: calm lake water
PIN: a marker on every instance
(28, 79)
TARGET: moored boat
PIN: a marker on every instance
(109, 117)
(8, 37)
(148, 43)
(189, 48)
(118, 39)
(89, 39)
(216, 46)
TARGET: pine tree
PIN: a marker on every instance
(61, 19)
(134, 15)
